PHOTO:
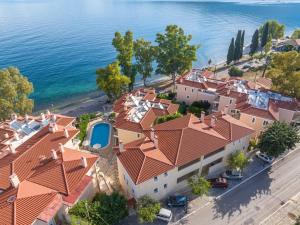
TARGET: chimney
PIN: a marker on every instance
(61, 147)
(12, 149)
(42, 116)
(125, 107)
(121, 146)
(6, 136)
(14, 116)
(52, 128)
(202, 117)
(48, 112)
(16, 136)
(181, 80)
(225, 110)
(228, 92)
(138, 93)
(66, 133)
(213, 121)
(14, 180)
(83, 162)
(152, 135)
(53, 154)
(53, 117)
(155, 141)
(26, 118)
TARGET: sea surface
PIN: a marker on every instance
(59, 44)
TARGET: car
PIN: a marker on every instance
(232, 174)
(164, 214)
(218, 182)
(264, 157)
(246, 66)
(177, 201)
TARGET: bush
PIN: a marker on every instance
(103, 210)
(182, 108)
(162, 119)
(197, 107)
(235, 72)
(168, 96)
(147, 209)
(82, 123)
(200, 186)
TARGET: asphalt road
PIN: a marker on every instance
(254, 200)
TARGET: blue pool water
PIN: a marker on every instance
(59, 44)
(100, 134)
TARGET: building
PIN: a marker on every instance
(137, 111)
(159, 163)
(42, 172)
(250, 102)
(286, 45)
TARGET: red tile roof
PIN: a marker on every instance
(42, 179)
(180, 141)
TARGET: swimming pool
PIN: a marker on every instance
(100, 135)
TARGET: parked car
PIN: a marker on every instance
(219, 182)
(246, 66)
(264, 157)
(232, 174)
(164, 214)
(177, 201)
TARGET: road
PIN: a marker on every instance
(254, 200)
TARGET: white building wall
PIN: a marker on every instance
(189, 94)
(224, 101)
(127, 136)
(147, 187)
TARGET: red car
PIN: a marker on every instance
(219, 182)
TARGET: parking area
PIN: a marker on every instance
(195, 202)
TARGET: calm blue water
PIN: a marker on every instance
(59, 44)
(100, 134)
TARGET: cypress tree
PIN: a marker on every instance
(230, 54)
(265, 35)
(254, 42)
(237, 46)
(242, 44)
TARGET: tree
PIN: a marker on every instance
(80, 211)
(268, 46)
(235, 72)
(237, 46)
(285, 73)
(111, 81)
(125, 47)
(109, 208)
(147, 209)
(254, 42)
(275, 29)
(175, 54)
(242, 44)
(14, 93)
(296, 34)
(238, 160)
(200, 186)
(230, 54)
(264, 34)
(144, 56)
(278, 138)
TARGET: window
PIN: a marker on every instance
(132, 190)
(176, 87)
(138, 135)
(166, 174)
(185, 89)
(265, 123)
(155, 178)
(214, 153)
(192, 90)
(230, 101)
(187, 96)
(155, 190)
(188, 175)
(124, 176)
(165, 186)
(253, 120)
(188, 164)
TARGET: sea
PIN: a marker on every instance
(59, 44)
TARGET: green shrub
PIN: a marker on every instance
(165, 118)
(147, 209)
(168, 96)
(182, 108)
(235, 72)
(82, 123)
(197, 107)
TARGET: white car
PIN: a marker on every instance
(164, 214)
(264, 157)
